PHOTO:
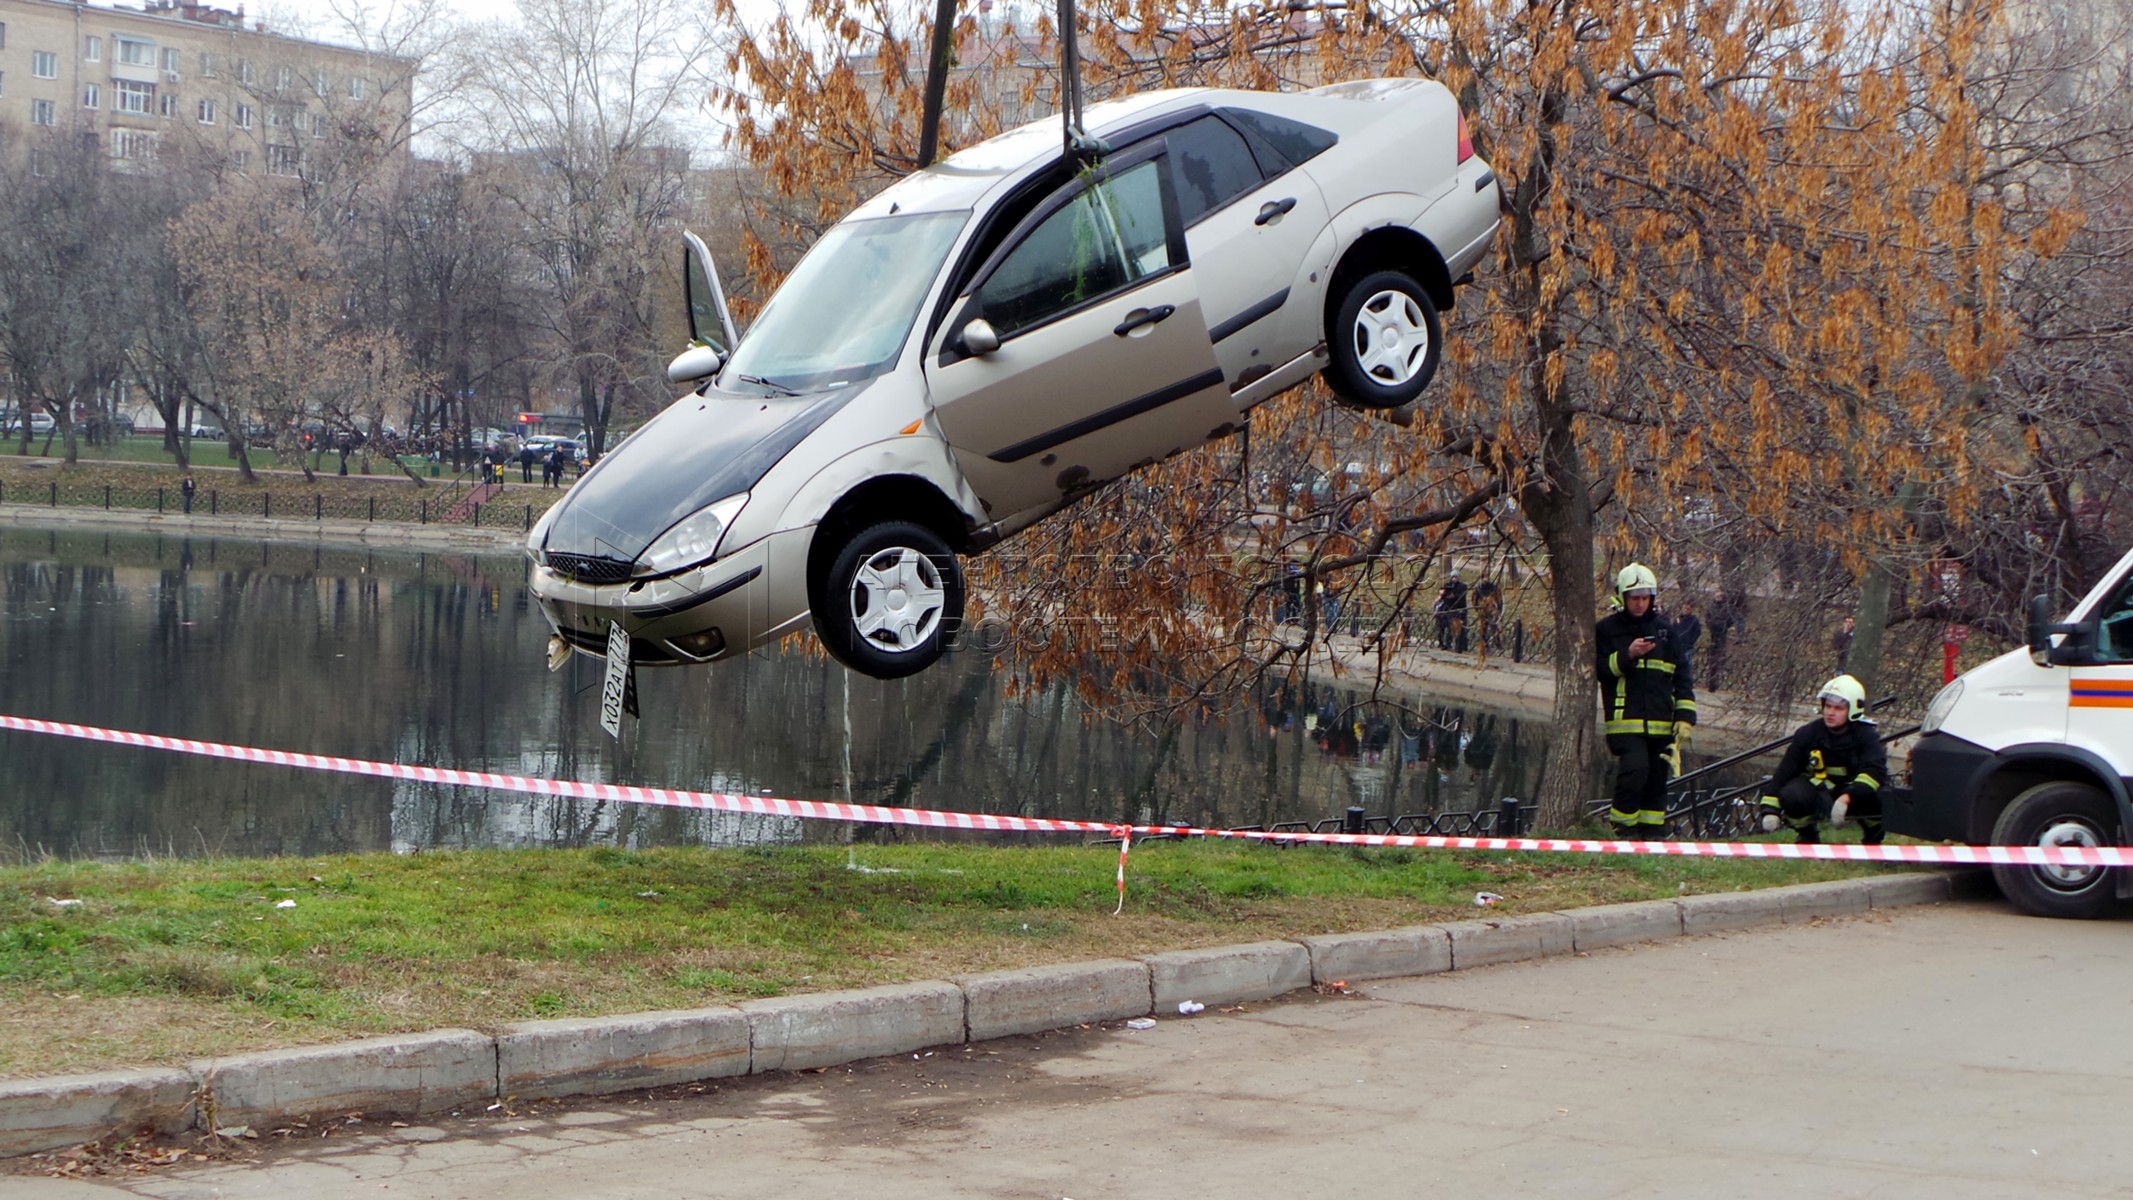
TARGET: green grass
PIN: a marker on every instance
(164, 961)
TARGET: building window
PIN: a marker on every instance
(357, 87)
(207, 112)
(134, 54)
(92, 48)
(245, 74)
(91, 97)
(322, 85)
(242, 159)
(44, 64)
(244, 116)
(277, 117)
(283, 78)
(170, 60)
(167, 105)
(3, 35)
(282, 160)
(128, 96)
(3, 83)
(41, 113)
(132, 144)
(207, 65)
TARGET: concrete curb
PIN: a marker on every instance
(442, 1070)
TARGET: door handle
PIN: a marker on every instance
(1273, 210)
(1144, 316)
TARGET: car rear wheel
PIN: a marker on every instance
(2058, 814)
(1385, 341)
(889, 599)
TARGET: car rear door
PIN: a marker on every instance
(1250, 237)
(1103, 361)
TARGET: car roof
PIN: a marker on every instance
(964, 179)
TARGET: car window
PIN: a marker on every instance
(1103, 240)
(1213, 166)
(1296, 142)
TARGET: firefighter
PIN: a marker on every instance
(1648, 699)
(1834, 768)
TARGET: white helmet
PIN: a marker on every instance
(1636, 579)
(1848, 690)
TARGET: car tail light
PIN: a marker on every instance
(1466, 140)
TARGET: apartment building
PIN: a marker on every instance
(174, 76)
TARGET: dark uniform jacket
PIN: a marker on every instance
(1642, 695)
(1851, 759)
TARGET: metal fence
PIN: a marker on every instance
(447, 506)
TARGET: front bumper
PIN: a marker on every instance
(753, 596)
(1945, 775)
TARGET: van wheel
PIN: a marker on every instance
(1385, 341)
(888, 600)
(2058, 814)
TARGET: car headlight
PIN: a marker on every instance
(1942, 705)
(693, 539)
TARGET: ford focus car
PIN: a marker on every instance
(1000, 334)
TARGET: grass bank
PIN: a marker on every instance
(104, 965)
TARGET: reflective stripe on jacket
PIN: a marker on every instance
(1641, 695)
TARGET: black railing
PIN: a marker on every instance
(505, 509)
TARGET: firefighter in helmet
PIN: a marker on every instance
(1648, 701)
(1833, 769)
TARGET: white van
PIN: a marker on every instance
(2035, 748)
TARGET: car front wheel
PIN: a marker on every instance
(2058, 814)
(1385, 341)
(889, 599)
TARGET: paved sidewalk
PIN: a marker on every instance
(1956, 1051)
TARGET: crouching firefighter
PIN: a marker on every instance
(1833, 769)
(1648, 702)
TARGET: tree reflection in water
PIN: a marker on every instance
(437, 659)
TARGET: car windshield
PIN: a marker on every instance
(844, 312)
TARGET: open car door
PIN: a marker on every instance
(711, 335)
(1078, 352)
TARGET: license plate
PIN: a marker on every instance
(616, 687)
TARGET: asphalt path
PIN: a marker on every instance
(1952, 1051)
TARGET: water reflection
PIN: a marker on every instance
(436, 659)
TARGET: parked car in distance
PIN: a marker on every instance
(40, 421)
(1001, 334)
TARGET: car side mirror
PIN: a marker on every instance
(697, 362)
(2076, 644)
(979, 338)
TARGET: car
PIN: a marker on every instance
(1000, 334)
(41, 423)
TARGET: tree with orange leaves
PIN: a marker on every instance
(1745, 252)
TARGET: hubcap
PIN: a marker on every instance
(2069, 831)
(1391, 338)
(897, 599)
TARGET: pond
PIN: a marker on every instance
(436, 658)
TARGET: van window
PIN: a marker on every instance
(2114, 625)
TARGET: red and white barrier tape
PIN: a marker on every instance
(1942, 855)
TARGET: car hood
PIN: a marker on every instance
(703, 448)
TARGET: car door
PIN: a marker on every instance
(710, 324)
(1079, 350)
(1249, 237)
(2100, 691)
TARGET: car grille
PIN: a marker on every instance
(586, 568)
